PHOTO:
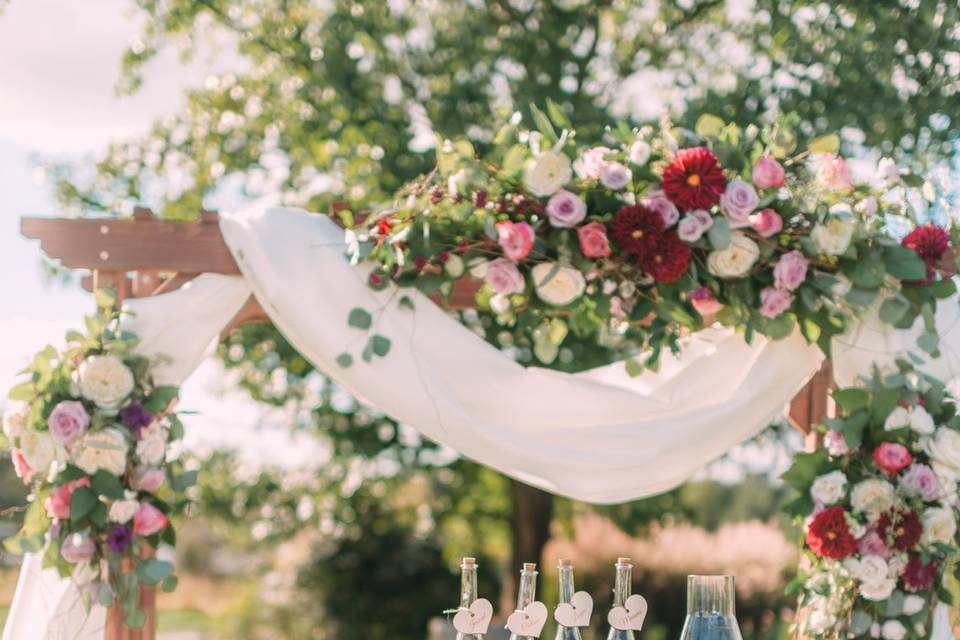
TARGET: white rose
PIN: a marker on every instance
(39, 449)
(152, 448)
(736, 260)
(879, 590)
(939, 525)
(557, 284)
(122, 511)
(893, 630)
(913, 604)
(921, 421)
(106, 449)
(478, 267)
(898, 419)
(833, 236)
(105, 380)
(868, 569)
(829, 488)
(639, 152)
(872, 496)
(454, 266)
(547, 173)
(15, 420)
(944, 450)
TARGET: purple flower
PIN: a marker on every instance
(565, 209)
(119, 539)
(135, 417)
(68, 421)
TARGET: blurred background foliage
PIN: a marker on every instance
(328, 100)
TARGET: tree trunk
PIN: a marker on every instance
(530, 521)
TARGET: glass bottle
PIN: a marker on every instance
(621, 591)
(565, 569)
(528, 591)
(710, 609)
(468, 592)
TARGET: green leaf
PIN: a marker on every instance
(514, 161)
(160, 398)
(21, 544)
(169, 584)
(359, 318)
(23, 392)
(380, 345)
(893, 309)
(151, 571)
(406, 303)
(851, 399)
(634, 367)
(135, 618)
(543, 124)
(806, 467)
(904, 263)
(344, 360)
(829, 143)
(105, 484)
(884, 401)
(82, 502)
(105, 595)
(105, 298)
(709, 126)
(184, 481)
(719, 233)
(557, 116)
(929, 342)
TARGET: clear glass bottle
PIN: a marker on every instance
(621, 591)
(711, 614)
(565, 569)
(527, 592)
(468, 592)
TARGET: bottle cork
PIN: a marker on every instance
(529, 567)
(565, 563)
(623, 560)
(469, 562)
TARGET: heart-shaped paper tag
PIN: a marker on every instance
(529, 622)
(630, 616)
(476, 619)
(575, 613)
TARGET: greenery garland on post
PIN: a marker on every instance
(89, 433)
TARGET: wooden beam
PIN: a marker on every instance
(813, 403)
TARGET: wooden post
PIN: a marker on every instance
(116, 629)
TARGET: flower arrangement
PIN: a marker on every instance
(879, 510)
(89, 433)
(589, 254)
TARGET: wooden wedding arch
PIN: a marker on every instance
(147, 256)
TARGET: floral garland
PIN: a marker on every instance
(879, 507)
(89, 433)
(591, 254)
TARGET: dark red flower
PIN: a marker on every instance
(918, 576)
(829, 536)
(636, 229)
(384, 226)
(900, 528)
(668, 259)
(694, 180)
(931, 244)
(420, 263)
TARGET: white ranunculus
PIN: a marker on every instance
(639, 152)
(122, 511)
(736, 260)
(878, 590)
(872, 496)
(106, 449)
(944, 451)
(939, 525)
(454, 266)
(913, 604)
(39, 450)
(547, 173)
(898, 419)
(105, 380)
(829, 488)
(921, 421)
(15, 420)
(152, 448)
(893, 630)
(833, 236)
(557, 284)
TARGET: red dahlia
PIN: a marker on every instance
(931, 243)
(637, 229)
(900, 529)
(694, 180)
(668, 260)
(918, 576)
(828, 535)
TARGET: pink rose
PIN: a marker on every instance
(892, 457)
(20, 466)
(738, 202)
(591, 164)
(515, 238)
(704, 301)
(767, 173)
(148, 480)
(832, 171)
(872, 544)
(615, 176)
(922, 481)
(657, 201)
(148, 520)
(693, 225)
(835, 444)
(593, 240)
(791, 271)
(68, 421)
(773, 302)
(77, 547)
(565, 209)
(504, 277)
(57, 503)
(766, 222)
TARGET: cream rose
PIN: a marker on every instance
(547, 173)
(152, 448)
(15, 420)
(829, 488)
(105, 449)
(921, 421)
(736, 260)
(39, 450)
(879, 590)
(122, 511)
(898, 419)
(944, 451)
(872, 496)
(939, 525)
(105, 380)
(557, 284)
(833, 236)
(454, 266)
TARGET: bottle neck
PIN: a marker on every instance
(711, 595)
(528, 589)
(566, 583)
(621, 588)
(468, 586)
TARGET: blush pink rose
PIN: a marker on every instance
(738, 202)
(791, 270)
(872, 545)
(892, 457)
(58, 502)
(20, 466)
(774, 301)
(766, 222)
(591, 164)
(148, 480)
(835, 443)
(704, 301)
(922, 481)
(77, 547)
(593, 240)
(515, 238)
(68, 421)
(504, 277)
(659, 202)
(148, 520)
(565, 209)
(832, 171)
(615, 176)
(767, 173)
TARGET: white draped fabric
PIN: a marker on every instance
(598, 436)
